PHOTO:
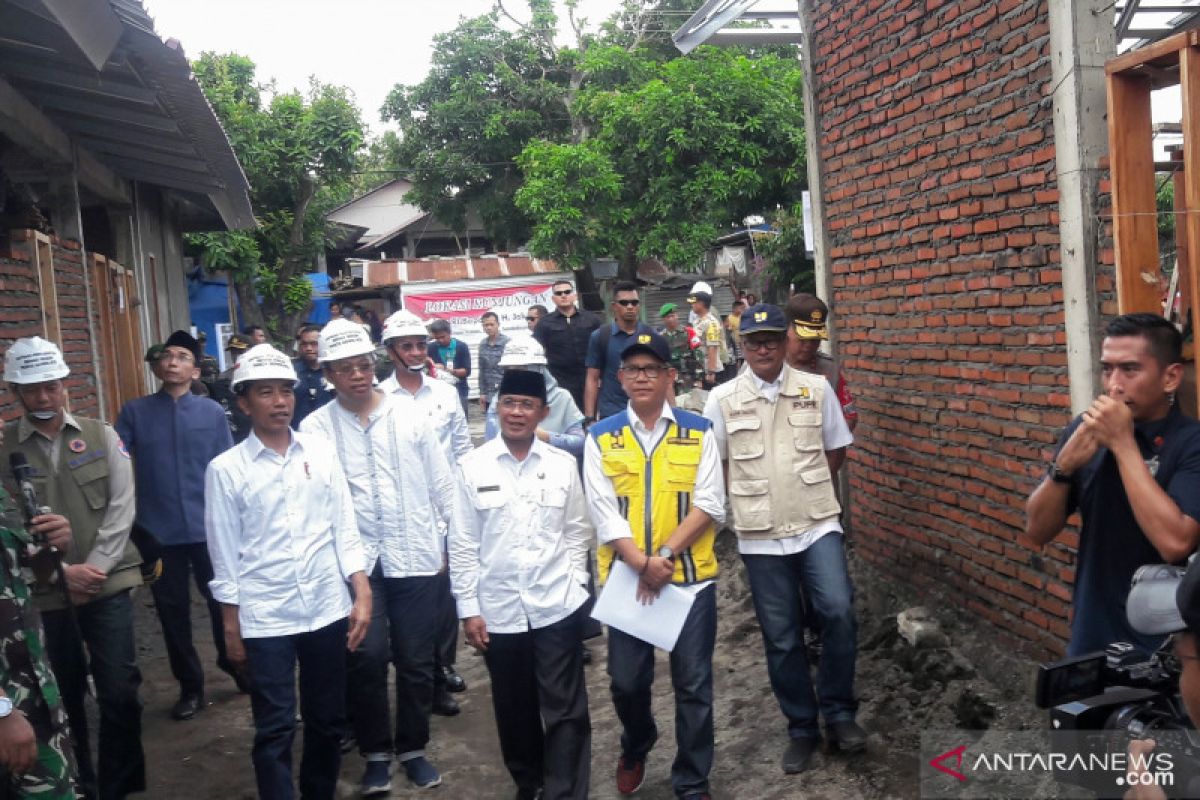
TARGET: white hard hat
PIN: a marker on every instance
(701, 286)
(262, 363)
(403, 323)
(34, 360)
(342, 338)
(522, 352)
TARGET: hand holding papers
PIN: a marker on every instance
(658, 623)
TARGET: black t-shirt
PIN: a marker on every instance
(1111, 545)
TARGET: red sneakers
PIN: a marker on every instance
(630, 774)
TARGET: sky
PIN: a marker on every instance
(366, 45)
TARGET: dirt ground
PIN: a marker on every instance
(903, 693)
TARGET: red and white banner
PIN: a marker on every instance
(462, 308)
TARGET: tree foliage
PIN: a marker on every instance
(299, 153)
(611, 145)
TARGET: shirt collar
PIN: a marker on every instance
(635, 422)
(25, 428)
(763, 385)
(256, 448)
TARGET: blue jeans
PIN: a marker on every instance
(631, 668)
(404, 630)
(107, 628)
(271, 667)
(776, 582)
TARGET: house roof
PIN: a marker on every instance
(99, 73)
(441, 270)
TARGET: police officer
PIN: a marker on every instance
(312, 391)
(239, 421)
(81, 470)
(35, 742)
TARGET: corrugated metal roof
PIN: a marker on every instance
(442, 270)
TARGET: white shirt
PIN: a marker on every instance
(281, 535)
(835, 434)
(439, 401)
(709, 494)
(400, 481)
(519, 559)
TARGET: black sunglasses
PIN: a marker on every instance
(531, 319)
(564, 292)
(629, 303)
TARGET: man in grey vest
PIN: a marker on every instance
(782, 434)
(81, 470)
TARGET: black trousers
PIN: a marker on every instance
(445, 653)
(173, 600)
(540, 697)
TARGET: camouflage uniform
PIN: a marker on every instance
(25, 675)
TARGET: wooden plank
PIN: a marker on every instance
(1189, 221)
(104, 337)
(1164, 49)
(133, 337)
(48, 290)
(1135, 229)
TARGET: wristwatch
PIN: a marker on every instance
(666, 552)
(6, 707)
(1057, 475)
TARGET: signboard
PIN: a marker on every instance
(462, 303)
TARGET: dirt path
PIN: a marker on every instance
(209, 757)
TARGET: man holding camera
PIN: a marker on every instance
(1130, 465)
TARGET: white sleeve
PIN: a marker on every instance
(712, 413)
(577, 528)
(601, 499)
(463, 544)
(223, 526)
(440, 478)
(460, 434)
(834, 431)
(346, 541)
(709, 494)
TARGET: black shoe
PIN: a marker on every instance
(587, 655)
(446, 676)
(846, 735)
(444, 705)
(189, 705)
(798, 756)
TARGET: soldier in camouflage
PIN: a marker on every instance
(36, 759)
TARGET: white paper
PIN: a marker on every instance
(659, 623)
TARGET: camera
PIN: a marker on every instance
(1124, 692)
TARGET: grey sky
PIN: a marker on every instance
(367, 45)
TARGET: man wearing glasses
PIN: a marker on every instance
(604, 395)
(172, 435)
(534, 315)
(782, 434)
(564, 335)
(655, 493)
(402, 488)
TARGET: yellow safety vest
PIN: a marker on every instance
(654, 492)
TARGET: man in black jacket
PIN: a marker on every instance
(564, 334)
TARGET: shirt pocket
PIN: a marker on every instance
(751, 502)
(92, 479)
(821, 503)
(745, 438)
(682, 463)
(624, 472)
(806, 431)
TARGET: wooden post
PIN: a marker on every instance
(1189, 222)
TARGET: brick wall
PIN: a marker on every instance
(20, 315)
(942, 209)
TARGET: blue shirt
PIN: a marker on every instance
(612, 398)
(311, 393)
(1111, 545)
(456, 356)
(171, 442)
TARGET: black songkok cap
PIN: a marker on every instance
(524, 383)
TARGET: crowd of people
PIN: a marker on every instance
(337, 520)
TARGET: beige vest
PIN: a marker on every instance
(80, 493)
(779, 480)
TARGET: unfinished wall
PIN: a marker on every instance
(942, 207)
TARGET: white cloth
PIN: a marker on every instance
(519, 559)
(440, 402)
(400, 481)
(281, 535)
(835, 434)
(709, 494)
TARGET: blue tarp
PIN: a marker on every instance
(209, 305)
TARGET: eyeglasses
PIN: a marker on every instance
(178, 358)
(522, 403)
(652, 372)
(410, 347)
(563, 292)
(532, 319)
(767, 345)
(628, 303)
(358, 368)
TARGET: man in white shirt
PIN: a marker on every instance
(519, 567)
(403, 490)
(439, 409)
(283, 544)
(783, 434)
(656, 497)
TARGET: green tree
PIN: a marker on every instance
(299, 154)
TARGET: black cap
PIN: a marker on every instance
(523, 382)
(762, 317)
(186, 341)
(650, 343)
